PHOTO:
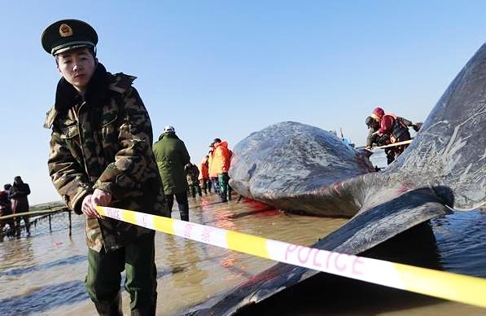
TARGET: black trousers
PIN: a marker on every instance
(182, 202)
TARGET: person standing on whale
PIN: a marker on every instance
(387, 128)
(101, 155)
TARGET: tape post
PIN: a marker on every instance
(445, 285)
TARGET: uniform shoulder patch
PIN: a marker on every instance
(50, 117)
(121, 82)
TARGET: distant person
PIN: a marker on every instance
(221, 161)
(171, 155)
(20, 203)
(101, 155)
(372, 122)
(392, 129)
(192, 175)
(375, 139)
(204, 175)
(6, 209)
(213, 173)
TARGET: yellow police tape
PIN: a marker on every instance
(445, 285)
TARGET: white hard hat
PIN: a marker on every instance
(169, 129)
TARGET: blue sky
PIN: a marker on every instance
(229, 68)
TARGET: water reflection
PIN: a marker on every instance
(45, 266)
(184, 257)
(43, 299)
(461, 239)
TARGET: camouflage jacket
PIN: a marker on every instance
(103, 140)
(192, 174)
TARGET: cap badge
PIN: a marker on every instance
(65, 30)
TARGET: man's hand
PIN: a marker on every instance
(416, 126)
(98, 198)
(101, 198)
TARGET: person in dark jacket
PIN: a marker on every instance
(6, 209)
(101, 155)
(171, 155)
(20, 203)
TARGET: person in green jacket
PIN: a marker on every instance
(171, 155)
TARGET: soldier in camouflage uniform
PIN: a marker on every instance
(192, 175)
(101, 154)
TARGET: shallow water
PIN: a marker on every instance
(43, 274)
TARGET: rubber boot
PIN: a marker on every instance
(144, 311)
(185, 217)
(223, 197)
(113, 308)
(230, 191)
(184, 211)
(27, 226)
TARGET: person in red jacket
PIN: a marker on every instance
(204, 175)
(391, 129)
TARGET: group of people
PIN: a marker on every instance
(181, 178)
(388, 129)
(102, 153)
(14, 200)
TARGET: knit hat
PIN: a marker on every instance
(378, 112)
(369, 121)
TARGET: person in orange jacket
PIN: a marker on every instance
(213, 173)
(221, 165)
(204, 175)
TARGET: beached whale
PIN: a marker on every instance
(299, 168)
(294, 167)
